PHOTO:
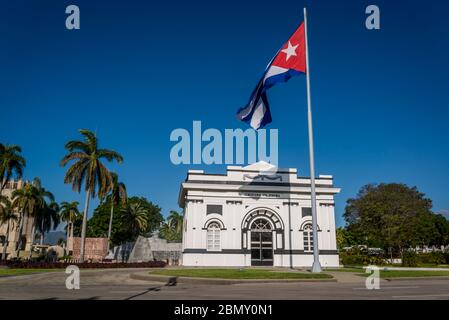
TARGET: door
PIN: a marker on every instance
(261, 243)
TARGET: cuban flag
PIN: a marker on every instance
(288, 62)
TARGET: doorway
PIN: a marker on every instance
(261, 243)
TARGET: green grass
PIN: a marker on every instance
(239, 274)
(20, 272)
(429, 265)
(410, 274)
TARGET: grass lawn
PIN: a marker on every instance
(19, 272)
(410, 273)
(428, 265)
(239, 274)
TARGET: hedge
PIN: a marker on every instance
(90, 265)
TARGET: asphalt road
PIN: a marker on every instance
(117, 284)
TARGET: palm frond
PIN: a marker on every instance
(110, 155)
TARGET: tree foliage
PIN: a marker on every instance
(171, 229)
(394, 216)
(11, 163)
(87, 167)
(137, 216)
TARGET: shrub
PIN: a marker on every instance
(435, 257)
(353, 259)
(409, 259)
(376, 260)
(90, 265)
(446, 256)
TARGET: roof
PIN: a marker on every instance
(257, 177)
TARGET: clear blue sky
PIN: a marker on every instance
(137, 70)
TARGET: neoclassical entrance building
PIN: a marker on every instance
(252, 216)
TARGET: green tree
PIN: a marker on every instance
(135, 218)
(117, 195)
(171, 229)
(88, 169)
(120, 231)
(47, 219)
(77, 225)
(7, 216)
(391, 216)
(69, 213)
(11, 163)
(27, 201)
(46, 215)
(344, 238)
(441, 230)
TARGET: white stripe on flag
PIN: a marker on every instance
(274, 71)
(258, 115)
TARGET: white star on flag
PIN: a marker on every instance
(290, 51)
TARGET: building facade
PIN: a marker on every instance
(253, 216)
(12, 242)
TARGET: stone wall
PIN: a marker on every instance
(155, 248)
(96, 249)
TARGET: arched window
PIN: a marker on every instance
(213, 236)
(261, 225)
(308, 238)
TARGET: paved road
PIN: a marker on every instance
(117, 284)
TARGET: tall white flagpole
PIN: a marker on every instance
(316, 267)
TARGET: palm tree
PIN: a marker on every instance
(27, 201)
(88, 169)
(175, 220)
(11, 162)
(171, 229)
(47, 219)
(45, 212)
(135, 217)
(165, 231)
(117, 195)
(7, 215)
(77, 225)
(68, 214)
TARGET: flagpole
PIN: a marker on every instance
(316, 267)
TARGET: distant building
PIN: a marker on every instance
(13, 241)
(253, 216)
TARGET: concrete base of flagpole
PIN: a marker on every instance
(316, 267)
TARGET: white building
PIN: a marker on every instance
(250, 216)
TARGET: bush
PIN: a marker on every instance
(446, 256)
(435, 257)
(90, 265)
(353, 259)
(409, 259)
(376, 260)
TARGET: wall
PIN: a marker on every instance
(96, 249)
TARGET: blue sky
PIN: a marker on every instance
(135, 71)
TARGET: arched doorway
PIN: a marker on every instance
(261, 243)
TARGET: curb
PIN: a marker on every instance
(218, 281)
(417, 278)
